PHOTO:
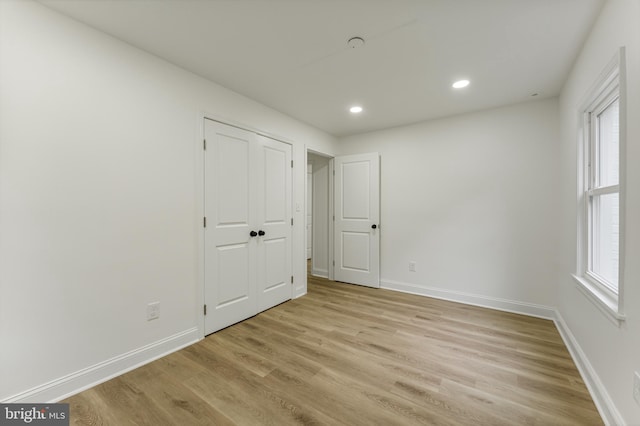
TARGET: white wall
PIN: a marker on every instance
(100, 210)
(99, 202)
(611, 353)
(470, 199)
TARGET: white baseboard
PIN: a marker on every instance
(299, 292)
(601, 398)
(530, 309)
(322, 273)
(599, 394)
(86, 378)
(71, 384)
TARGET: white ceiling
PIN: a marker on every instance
(292, 55)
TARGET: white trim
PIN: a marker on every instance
(604, 190)
(622, 179)
(198, 222)
(244, 126)
(332, 220)
(318, 272)
(301, 292)
(597, 295)
(611, 71)
(599, 394)
(610, 83)
(530, 309)
(86, 378)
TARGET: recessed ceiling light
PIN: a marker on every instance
(355, 109)
(460, 84)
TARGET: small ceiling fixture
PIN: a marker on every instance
(460, 84)
(355, 42)
(355, 109)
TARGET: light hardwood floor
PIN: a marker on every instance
(345, 354)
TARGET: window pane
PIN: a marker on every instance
(605, 244)
(608, 146)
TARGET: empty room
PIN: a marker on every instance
(320, 212)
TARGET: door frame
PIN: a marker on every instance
(330, 211)
(200, 208)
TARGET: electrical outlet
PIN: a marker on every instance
(153, 311)
(412, 266)
(636, 387)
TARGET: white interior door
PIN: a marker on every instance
(248, 189)
(357, 217)
(273, 173)
(230, 250)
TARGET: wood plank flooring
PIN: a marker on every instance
(351, 355)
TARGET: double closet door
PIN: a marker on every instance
(248, 224)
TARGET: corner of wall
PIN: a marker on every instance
(601, 398)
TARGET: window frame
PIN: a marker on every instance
(595, 189)
(609, 87)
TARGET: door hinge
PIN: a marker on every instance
(292, 164)
(291, 279)
(334, 263)
(204, 221)
(334, 217)
(291, 221)
(204, 144)
(205, 309)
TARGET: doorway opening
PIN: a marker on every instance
(343, 217)
(319, 206)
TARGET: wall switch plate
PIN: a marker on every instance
(412, 266)
(636, 387)
(153, 311)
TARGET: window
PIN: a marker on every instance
(599, 181)
(602, 195)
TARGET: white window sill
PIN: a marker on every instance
(605, 303)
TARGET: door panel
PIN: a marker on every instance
(230, 279)
(355, 251)
(232, 267)
(274, 217)
(274, 187)
(357, 216)
(356, 204)
(231, 173)
(276, 265)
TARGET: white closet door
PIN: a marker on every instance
(357, 211)
(274, 222)
(230, 250)
(248, 187)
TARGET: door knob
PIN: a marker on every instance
(253, 233)
(261, 232)
(374, 226)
